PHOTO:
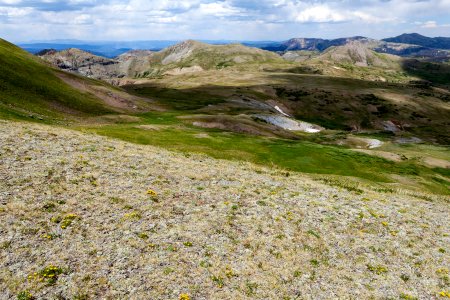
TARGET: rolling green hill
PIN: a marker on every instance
(29, 88)
(33, 90)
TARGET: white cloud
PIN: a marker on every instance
(320, 13)
(14, 12)
(429, 24)
(178, 19)
(10, 2)
(217, 9)
(432, 25)
(82, 19)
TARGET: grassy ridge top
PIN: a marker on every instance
(29, 87)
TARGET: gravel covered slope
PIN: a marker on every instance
(79, 220)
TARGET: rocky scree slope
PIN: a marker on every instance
(77, 222)
(80, 61)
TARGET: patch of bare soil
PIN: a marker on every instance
(111, 119)
(239, 124)
(384, 154)
(435, 162)
(187, 70)
(153, 127)
(359, 142)
(202, 136)
(122, 101)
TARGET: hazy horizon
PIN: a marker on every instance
(70, 41)
(23, 21)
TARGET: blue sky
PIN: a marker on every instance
(26, 20)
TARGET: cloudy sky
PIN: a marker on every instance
(26, 20)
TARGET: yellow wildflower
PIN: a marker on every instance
(152, 193)
(442, 271)
(184, 297)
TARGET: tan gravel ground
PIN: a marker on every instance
(78, 221)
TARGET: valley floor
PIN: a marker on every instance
(89, 217)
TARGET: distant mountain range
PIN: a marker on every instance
(406, 45)
(420, 40)
(106, 49)
(403, 45)
(310, 44)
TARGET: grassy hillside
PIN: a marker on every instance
(333, 102)
(171, 131)
(339, 104)
(79, 223)
(31, 89)
(437, 73)
(225, 214)
(227, 100)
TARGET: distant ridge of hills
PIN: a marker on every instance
(420, 40)
(106, 49)
(327, 57)
(311, 44)
(404, 45)
(412, 44)
(113, 49)
(185, 57)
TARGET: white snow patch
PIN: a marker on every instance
(374, 143)
(290, 124)
(281, 111)
(312, 130)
